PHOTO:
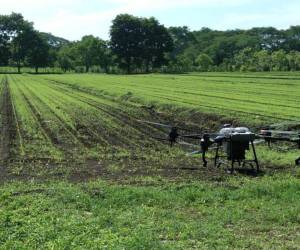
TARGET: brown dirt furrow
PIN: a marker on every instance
(52, 136)
(85, 133)
(7, 129)
(197, 124)
(71, 131)
(120, 115)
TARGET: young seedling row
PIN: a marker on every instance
(51, 122)
(55, 125)
(256, 98)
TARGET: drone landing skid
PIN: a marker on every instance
(231, 159)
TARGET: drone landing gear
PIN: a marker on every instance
(255, 160)
(206, 142)
(233, 159)
(173, 135)
(204, 159)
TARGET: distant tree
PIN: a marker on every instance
(203, 62)
(4, 40)
(20, 47)
(182, 39)
(180, 64)
(139, 42)
(127, 40)
(104, 57)
(54, 41)
(222, 48)
(38, 52)
(15, 38)
(279, 60)
(269, 38)
(292, 39)
(262, 60)
(87, 50)
(4, 52)
(192, 52)
(143, 44)
(297, 60)
(244, 59)
(55, 44)
(156, 43)
(293, 59)
(65, 57)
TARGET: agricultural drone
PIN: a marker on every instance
(230, 143)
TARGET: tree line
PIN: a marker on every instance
(142, 45)
(257, 49)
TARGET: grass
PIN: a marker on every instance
(84, 174)
(152, 213)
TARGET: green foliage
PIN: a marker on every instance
(83, 126)
(91, 51)
(38, 54)
(54, 41)
(21, 41)
(182, 38)
(140, 45)
(228, 49)
(154, 214)
(66, 58)
(204, 62)
(279, 60)
(139, 42)
(262, 60)
(21, 44)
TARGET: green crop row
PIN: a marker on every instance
(251, 97)
(61, 126)
(68, 119)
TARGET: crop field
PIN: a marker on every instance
(132, 191)
(253, 98)
(54, 126)
(87, 125)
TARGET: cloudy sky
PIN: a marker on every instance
(74, 18)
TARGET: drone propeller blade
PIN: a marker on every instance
(195, 136)
(185, 129)
(200, 151)
(259, 141)
(155, 123)
(214, 135)
(194, 153)
(165, 125)
(200, 136)
(278, 138)
(280, 132)
(188, 144)
(160, 139)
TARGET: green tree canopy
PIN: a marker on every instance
(38, 53)
(204, 62)
(139, 42)
(15, 38)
